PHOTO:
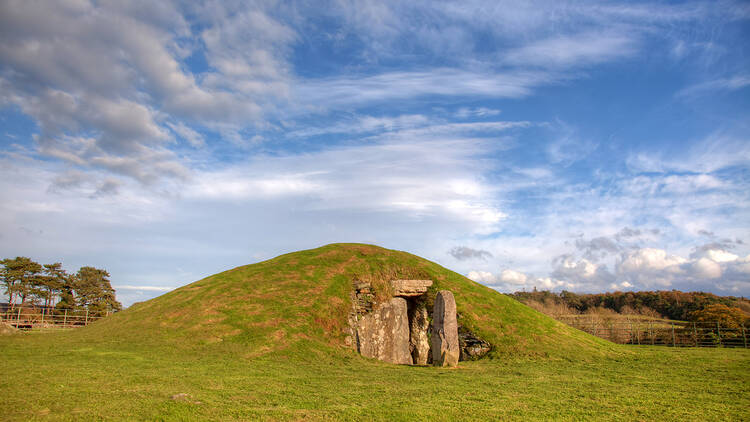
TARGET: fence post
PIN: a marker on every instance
(718, 332)
(631, 332)
(744, 338)
(43, 309)
(65, 318)
(651, 331)
(695, 333)
(674, 341)
(86, 322)
(18, 319)
(638, 335)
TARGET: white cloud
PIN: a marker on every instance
(640, 269)
(484, 277)
(705, 268)
(648, 259)
(711, 87)
(513, 277)
(512, 281)
(716, 255)
(577, 50)
(620, 286)
(233, 184)
(348, 91)
(101, 78)
(409, 178)
(480, 112)
(719, 150)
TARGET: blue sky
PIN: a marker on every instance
(587, 146)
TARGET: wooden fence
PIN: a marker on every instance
(662, 332)
(28, 318)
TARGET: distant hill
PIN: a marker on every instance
(301, 301)
(670, 304)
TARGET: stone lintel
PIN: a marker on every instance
(410, 288)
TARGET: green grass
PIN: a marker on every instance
(265, 342)
(55, 377)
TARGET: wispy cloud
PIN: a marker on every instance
(717, 151)
(343, 91)
(712, 87)
(578, 50)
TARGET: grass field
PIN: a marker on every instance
(266, 342)
(52, 376)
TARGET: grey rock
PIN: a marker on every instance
(472, 347)
(384, 333)
(445, 347)
(419, 341)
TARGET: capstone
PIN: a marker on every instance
(410, 288)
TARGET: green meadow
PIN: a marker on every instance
(267, 342)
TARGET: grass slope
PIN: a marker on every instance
(304, 297)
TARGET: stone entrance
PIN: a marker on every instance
(395, 331)
(399, 330)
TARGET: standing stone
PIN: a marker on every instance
(445, 348)
(384, 333)
(419, 342)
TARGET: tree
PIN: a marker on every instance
(67, 297)
(22, 278)
(54, 280)
(724, 315)
(94, 291)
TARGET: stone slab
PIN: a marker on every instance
(384, 333)
(410, 288)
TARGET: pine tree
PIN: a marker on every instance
(54, 279)
(94, 291)
(22, 278)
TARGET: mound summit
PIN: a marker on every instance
(304, 300)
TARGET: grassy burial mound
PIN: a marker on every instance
(302, 299)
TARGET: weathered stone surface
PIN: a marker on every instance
(419, 341)
(384, 333)
(445, 347)
(410, 288)
(472, 347)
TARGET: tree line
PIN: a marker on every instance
(672, 304)
(51, 286)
